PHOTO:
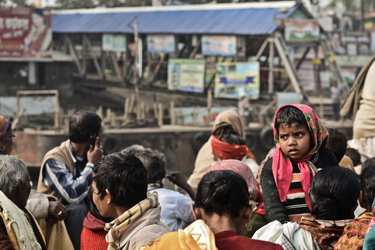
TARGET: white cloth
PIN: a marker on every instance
(16, 219)
(289, 235)
(252, 164)
(364, 146)
(175, 209)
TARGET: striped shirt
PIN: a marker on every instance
(295, 206)
(73, 188)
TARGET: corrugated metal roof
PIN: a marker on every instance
(237, 21)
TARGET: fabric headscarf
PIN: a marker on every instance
(282, 166)
(227, 151)
(5, 126)
(124, 221)
(16, 220)
(242, 169)
(231, 117)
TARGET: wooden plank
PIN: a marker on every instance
(96, 63)
(118, 73)
(73, 52)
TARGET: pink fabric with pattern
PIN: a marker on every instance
(242, 169)
(282, 166)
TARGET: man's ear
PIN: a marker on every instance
(196, 212)
(2, 146)
(109, 196)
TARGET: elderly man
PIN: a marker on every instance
(18, 228)
(66, 171)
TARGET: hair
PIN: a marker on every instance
(232, 137)
(133, 149)
(367, 179)
(82, 125)
(13, 173)
(334, 192)
(222, 192)
(124, 176)
(154, 161)
(289, 115)
(94, 210)
(368, 163)
(337, 143)
(353, 155)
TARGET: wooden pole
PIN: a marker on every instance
(136, 40)
(160, 114)
(173, 121)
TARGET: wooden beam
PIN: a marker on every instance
(84, 55)
(73, 52)
(118, 73)
(262, 48)
(196, 48)
(303, 58)
(96, 63)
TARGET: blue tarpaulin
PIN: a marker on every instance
(240, 21)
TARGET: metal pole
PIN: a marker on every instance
(136, 65)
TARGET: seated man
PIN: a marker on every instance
(18, 227)
(66, 171)
(175, 207)
(120, 187)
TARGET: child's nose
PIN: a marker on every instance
(291, 140)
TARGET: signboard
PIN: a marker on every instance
(351, 43)
(112, 42)
(301, 30)
(219, 45)
(161, 44)
(232, 79)
(186, 75)
(25, 33)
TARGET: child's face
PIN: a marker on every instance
(295, 140)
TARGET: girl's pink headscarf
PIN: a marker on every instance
(282, 166)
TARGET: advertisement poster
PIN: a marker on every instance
(186, 75)
(25, 33)
(351, 43)
(219, 45)
(210, 68)
(301, 30)
(161, 44)
(233, 79)
(112, 42)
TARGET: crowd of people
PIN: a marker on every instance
(310, 192)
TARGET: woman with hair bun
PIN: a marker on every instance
(333, 194)
(222, 212)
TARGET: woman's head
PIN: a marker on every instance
(14, 179)
(224, 194)
(334, 193)
(297, 131)
(231, 117)
(6, 136)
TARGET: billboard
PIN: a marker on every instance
(161, 44)
(351, 43)
(25, 33)
(301, 30)
(219, 45)
(112, 42)
(235, 79)
(186, 75)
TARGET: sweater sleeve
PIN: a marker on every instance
(273, 207)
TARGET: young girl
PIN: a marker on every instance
(300, 152)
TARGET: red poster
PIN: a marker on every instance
(25, 33)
